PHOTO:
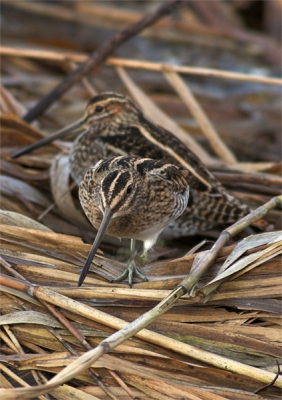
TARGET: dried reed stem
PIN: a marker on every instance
(200, 116)
(139, 64)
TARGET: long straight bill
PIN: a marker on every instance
(98, 239)
(54, 136)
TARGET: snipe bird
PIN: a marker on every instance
(115, 126)
(134, 198)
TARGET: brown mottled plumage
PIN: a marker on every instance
(116, 126)
(134, 198)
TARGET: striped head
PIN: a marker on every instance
(109, 107)
(113, 184)
(135, 194)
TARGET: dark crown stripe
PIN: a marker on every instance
(149, 165)
(104, 96)
(120, 184)
(108, 185)
(114, 98)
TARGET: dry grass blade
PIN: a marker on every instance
(9, 103)
(159, 117)
(60, 174)
(15, 187)
(30, 317)
(235, 265)
(188, 98)
(11, 124)
(15, 219)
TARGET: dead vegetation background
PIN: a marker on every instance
(221, 341)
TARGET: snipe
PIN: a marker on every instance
(134, 198)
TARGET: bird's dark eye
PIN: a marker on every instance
(129, 189)
(99, 108)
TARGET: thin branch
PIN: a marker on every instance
(100, 56)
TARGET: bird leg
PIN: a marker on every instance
(143, 259)
(131, 268)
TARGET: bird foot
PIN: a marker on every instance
(130, 271)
